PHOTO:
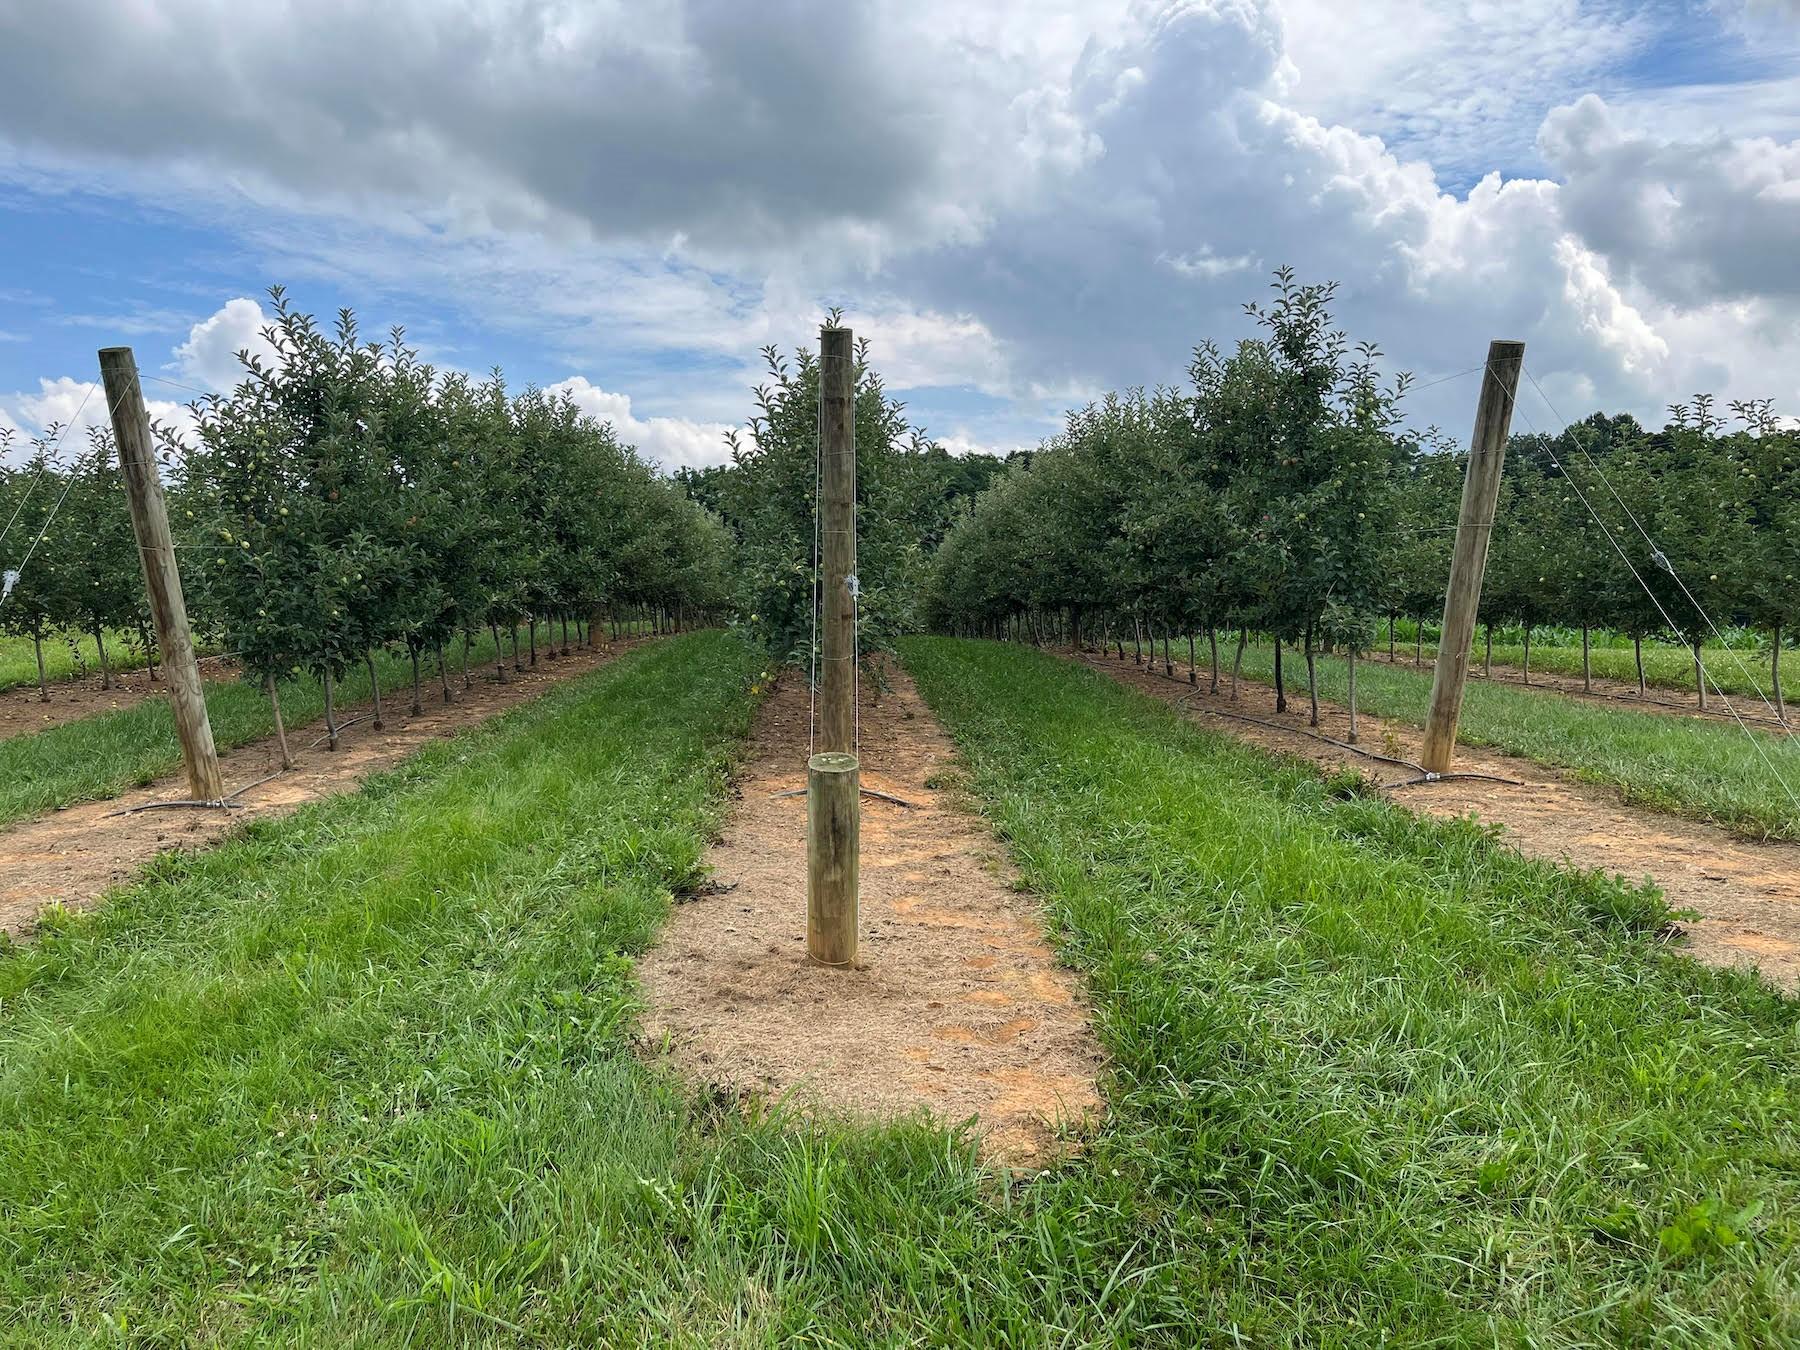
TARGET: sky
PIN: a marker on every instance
(1021, 205)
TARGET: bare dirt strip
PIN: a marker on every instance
(74, 856)
(22, 711)
(956, 1006)
(1747, 894)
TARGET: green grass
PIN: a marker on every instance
(18, 663)
(367, 1075)
(1375, 1074)
(1743, 674)
(1704, 769)
(100, 756)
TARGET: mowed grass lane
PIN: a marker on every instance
(1707, 770)
(1373, 1073)
(1742, 670)
(367, 1071)
(18, 660)
(368, 1075)
(100, 756)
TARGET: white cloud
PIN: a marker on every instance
(65, 410)
(1599, 309)
(1462, 82)
(1689, 221)
(209, 357)
(1203, 262)
(672, 442)
(960, 441)
(1030, 203)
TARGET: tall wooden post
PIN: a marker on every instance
(833, 805)
(1474, 527)
(162, 578)
(837, 540)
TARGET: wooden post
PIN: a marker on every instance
(833, 824)
(162, 578)
(833, 775)
(1475, 526)
(837, 540)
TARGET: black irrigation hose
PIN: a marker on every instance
(867, 792)
(221, 805)
(266, 778)
(350, 722)
(1455, 773)
(1425, 775)
(1304, 731)
(226, 803)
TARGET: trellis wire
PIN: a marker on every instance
(43, 530)
(1662, 560)
(812, 681)
(44, 466)
(1606, 532)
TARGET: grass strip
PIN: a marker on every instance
(1742, 672)
(97, 757)
(1685, 766)
(1374, 1074)
(367, 1075)
(65, 655)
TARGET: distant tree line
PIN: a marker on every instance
(1281, 494)
(346, 498)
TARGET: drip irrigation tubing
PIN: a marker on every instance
(1426, 776)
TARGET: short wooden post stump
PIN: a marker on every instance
(833, 826)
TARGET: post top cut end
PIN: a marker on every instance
(833, 761)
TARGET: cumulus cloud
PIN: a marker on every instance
(1460, 81)
(734, 126)
(209, 357)
(1021, 204)
(671, 442)
(64, 411)
(1690, 222)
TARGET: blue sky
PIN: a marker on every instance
(1020, 207)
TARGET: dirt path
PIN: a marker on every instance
(75, 855)
(23, 712)
(956, 1006)
(1748, 894)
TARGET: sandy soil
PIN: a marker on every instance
(23, 712)
(1747, 894)
(75, 855)
(956, 1005)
